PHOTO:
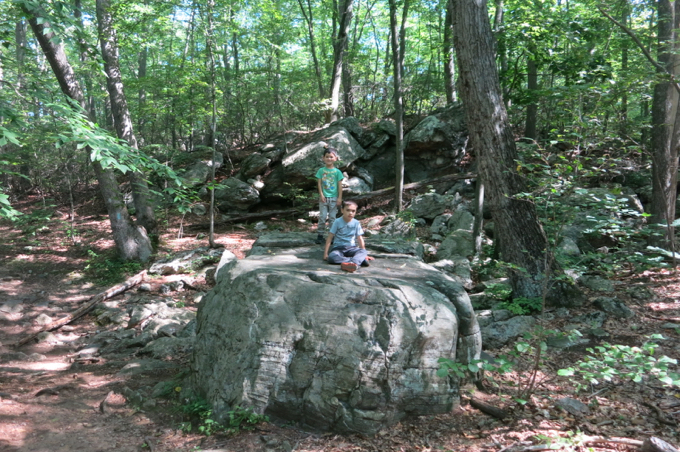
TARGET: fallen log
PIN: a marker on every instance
(654, 444)
(87, 307)
(360, 199)
(491, 410)
(414, 185)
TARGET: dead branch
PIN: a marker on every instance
(654, 444)
(87, 307)
(660, 415)
(491, 410)
(586, 442)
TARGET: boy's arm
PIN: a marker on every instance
(322, 198)
(339, 201)
(329, 240)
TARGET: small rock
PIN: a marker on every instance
(42, 320)
(35, 357)
(573, 406)
(144, 287)
(260, 226)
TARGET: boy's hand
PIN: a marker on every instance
(369, 258)
(322, 198)
(338, 202)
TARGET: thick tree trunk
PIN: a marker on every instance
(339, 45)
(121, 115)
(132, 242)
(522, 240)
(665, 125)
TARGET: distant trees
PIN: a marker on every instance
(567, 74)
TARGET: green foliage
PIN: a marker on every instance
(6, 209)
(614, 363)
(200, 417)
(109, 270)
(409, 219)
(32, 222)
(499, 291)
(523, 305)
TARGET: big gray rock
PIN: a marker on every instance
(235, 194)
(301, 163)
(289, 335)
(429, 205)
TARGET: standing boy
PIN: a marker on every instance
(330, 191)
(345, 233)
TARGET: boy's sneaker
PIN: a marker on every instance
(365, 263)
(320, 240)
(349, 266)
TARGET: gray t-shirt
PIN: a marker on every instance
(345, 234)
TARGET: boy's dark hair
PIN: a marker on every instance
(349, 202)
(330, 150)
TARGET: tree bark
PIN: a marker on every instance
(339, 44)
(532, 88)
(665, 124)
(522, 240)
(449, 56)
(398, 35)
(121, 115)
(132, 242)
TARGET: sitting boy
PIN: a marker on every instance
(345, 233)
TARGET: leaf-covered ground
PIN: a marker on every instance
(53, 404)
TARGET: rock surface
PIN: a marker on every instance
(289, 335)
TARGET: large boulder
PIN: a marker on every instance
(235, 194)
(436, 144)
(286, 334)
(199, 172)
(301, 163)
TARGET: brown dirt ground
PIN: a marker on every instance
(55, 404)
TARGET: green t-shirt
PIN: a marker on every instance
(330, 181)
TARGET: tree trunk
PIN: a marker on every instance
(141, 75)
(121, 115)
(532, 88)
(309, 19)
(449, 56)
(213, 117)
(339, 41)
(501, 51)
(522, 240)
(665, 125)
(398, 35)
(132, 242)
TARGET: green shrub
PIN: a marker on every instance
(609, 362)
(523, 305)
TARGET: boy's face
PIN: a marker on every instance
(348, 212)
(329, 159)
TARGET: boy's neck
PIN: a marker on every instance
(331, 166)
